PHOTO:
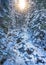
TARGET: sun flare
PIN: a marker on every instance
(21, 5)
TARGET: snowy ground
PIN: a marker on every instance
(19, 47)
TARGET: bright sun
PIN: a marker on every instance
(21, 5)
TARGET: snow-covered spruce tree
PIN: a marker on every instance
(37, 23)
(4, 15)
(4, 22)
